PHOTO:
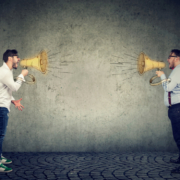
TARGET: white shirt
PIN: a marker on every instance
(173, 86)
(8, 85)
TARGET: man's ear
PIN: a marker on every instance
(9, 58)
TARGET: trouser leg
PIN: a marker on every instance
(176, 134)
(174, 116)
(3, 125)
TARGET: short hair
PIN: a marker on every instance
(9, 53)
(176, 52)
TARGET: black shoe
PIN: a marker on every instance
(176, 171)
(176, 161)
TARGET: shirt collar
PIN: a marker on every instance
(6, 66)
(176, 66)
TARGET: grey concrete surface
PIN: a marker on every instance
(91, 166)
(87, 102)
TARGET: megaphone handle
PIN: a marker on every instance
(32, 78)
(151, 80)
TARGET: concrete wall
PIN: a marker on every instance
(86, 101)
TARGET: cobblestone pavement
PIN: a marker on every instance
(90, 166)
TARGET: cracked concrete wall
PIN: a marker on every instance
(92, 98)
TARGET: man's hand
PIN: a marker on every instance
(159, 73)
(18, 104)
(24, 72)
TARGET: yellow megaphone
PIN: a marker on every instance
(39, 62)
(145, 64)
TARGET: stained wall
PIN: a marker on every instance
(92, 98)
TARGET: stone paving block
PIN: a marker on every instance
(176, 176)
(110, 178)
(86, 166)
(2, 177)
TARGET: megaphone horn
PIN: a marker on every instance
(145, 64)
(39, 62)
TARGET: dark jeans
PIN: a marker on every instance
(3, 125)
(174, 116)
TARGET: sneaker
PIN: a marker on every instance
(176, 161)
(3, 160)
(176, 171)
(4, 168)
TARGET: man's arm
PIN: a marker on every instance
(10, 83)
(168, 86)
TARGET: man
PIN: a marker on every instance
(7, 85)
(172, 98)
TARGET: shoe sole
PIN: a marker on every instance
(5, 171)
(6, 162)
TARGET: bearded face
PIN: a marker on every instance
(16, 60)
(171, 60)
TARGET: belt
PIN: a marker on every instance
(174, 105)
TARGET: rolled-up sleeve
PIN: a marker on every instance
(169, 86)
(10, 83)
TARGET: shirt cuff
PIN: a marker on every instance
(163, 76)
(22, 77)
